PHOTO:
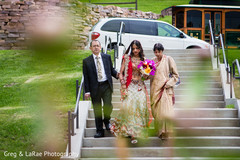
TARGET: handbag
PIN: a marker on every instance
(170, 76)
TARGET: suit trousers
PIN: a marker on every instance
(104, 93)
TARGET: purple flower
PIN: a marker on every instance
(146, 66)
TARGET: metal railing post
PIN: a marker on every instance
(223, 50)
(218, 53)
(69, 133)
(72, 123)
(136, 5)
(231, 83)
(77, 118)
(75, 114)
(77, 86)
(235, 63)
(228, 73)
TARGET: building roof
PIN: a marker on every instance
(206, 6)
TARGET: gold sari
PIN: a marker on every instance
(161, 93)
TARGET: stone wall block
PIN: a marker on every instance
(15, 6)
(17, 19)
(5, 3)
(3, 35)
(24, 7)
(11, 35)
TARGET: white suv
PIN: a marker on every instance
(148, 32)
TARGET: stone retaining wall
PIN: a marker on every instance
(20, 18)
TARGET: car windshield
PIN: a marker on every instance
(167, 30)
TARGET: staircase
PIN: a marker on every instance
(204, 129)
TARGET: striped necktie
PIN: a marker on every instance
(99, 68)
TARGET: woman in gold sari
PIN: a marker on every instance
(135, 112)
(161, 91)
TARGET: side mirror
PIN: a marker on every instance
(181, 35)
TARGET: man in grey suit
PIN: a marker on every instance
(98, 72)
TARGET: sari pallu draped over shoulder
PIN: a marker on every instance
(161, 90)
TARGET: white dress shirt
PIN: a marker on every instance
(104, 77)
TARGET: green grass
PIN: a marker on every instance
(36, 91)
(231, 55)
(154, 6)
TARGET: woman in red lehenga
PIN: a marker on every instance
(135, 112)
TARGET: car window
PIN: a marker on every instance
(142, 27)
(167, 30)
(114, 26)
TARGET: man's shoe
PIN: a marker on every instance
(108, 127)
(99, 135)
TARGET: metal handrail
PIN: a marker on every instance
(224, 55)
(107, 39)
(227, 66)
(75, 114)
(119, 41)
(231, 73)
(236, 63)
(211, 32)
(119, 35)
(213, 41)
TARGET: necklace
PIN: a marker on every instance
(136, 60)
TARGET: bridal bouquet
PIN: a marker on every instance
(147, 67)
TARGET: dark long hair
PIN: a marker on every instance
(138, 44)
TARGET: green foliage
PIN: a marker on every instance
(154, 6)
(231, 55)
(25, 79)
(230, 106)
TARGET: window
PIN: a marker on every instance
(217, 26)
(232, 20)
(207, 18)
(142, 27)
(194, 19)
(180, 19)
(114, 26)
(167, 30)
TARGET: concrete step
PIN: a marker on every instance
(191, 122)
(166, 158)
(174, 54)
(184, 91)
(188, 79)
(199, 73)
(190, 58)
(197, 104)
(192, 112)
(157, 142)
(180, 51)
(110, 152)
(116, 98)
(182, 85)
(190, 63)
(183, 131)
(190, 68)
